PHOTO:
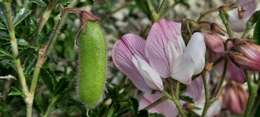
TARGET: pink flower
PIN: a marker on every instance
(163, 55)
(215, 44)
(247, 56)
(238, 17)
(235, 98)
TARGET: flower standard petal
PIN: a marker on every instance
(156, 48)
(122, 55)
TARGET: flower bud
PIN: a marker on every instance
(214, 43)
(235, 98)
(248, 56)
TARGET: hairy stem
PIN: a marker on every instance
(45, 50)
(252, 87)
(225, 20)
(17, 61)
(217, 90)
(207, 96)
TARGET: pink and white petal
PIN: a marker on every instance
(195, 89)
(166, 108)
(196, 49)
(249, 6)
(237, 24)
(214, 109)
(157, 43)
(183, 69)
(192, 61)
(214, 43)
(235, 73)
(151, 77)
(122, 54)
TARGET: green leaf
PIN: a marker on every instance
(186, 98)
(21, 15)
(15, 92)
(143, 6)
(256, 35)
(4, 53)
(143, 113)
(164, 7)
(39, 2)
(61, 87)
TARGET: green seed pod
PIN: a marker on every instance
(92, 64)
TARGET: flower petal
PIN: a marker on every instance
(151, 77)
(235, 73)
(192, 61)
(196, 49)
(214, 43)
(122, 55)
(237, 24)
(195, 89)
(214, 109)
(167, 107)
(249, 6)
(156, 48)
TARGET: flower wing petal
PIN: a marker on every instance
(122, 55)
(151, 77)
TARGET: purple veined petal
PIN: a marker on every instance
(195, 89)
(251, 51)
(166, 108)
(235, 73)
(156, 49)
(249, 6)
(151, 77)
(122, 55)
(192, 61)
(237, 24)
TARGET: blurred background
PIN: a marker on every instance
(57, 88)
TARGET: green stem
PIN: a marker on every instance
(45, 15)
(177, 103)
(252, 87)
(225, 20)
(45, 51)
(217, 90)
(207, 96)
(17, 61)
(206, 13)
(177, 90)
(14, 46)
(153, 13)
